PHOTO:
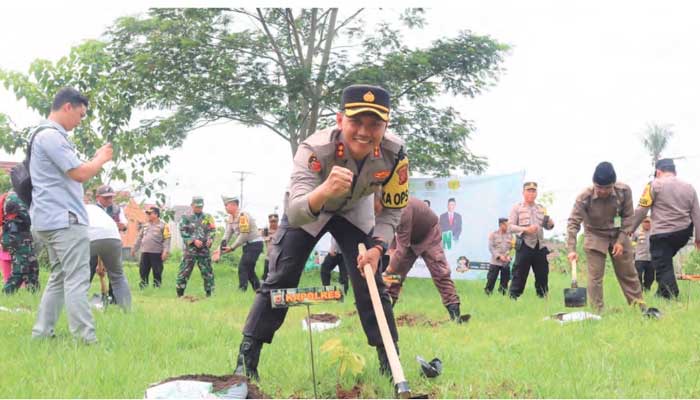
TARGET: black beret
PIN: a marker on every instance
(604, 174)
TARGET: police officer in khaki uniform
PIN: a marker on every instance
(154, 242)
(500, 245)
(336, 172)
(243, 226)
(674, 213)
(527, 220)
(607, 213)
(642, 255)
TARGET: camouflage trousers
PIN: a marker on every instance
(25, 268)
(187, 265)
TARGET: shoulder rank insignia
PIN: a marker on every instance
(396, 190)
(314, 164)
(646, 200)
(166, 232)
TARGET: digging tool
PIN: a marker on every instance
(100, 271)
(576, 296)
(400, 382)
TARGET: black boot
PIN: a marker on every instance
(453, 310)
(180, 292)
(208, 293)
(384, 367)
(248, 357)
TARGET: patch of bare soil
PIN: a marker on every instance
(190, 299)
(351, 313)
(417, 319)
(352, 393)
(324, 317)
(221, 383)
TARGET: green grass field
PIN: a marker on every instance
(507, 349)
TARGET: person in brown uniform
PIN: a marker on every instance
(418, 235)
(674, 213)
(527, 220)
(607, 213)
(272, 225)
(154, 242)
(500, 244)
(642, 256)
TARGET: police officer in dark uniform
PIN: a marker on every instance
(336, 172)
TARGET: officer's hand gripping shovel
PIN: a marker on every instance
(576, 296)
(400, 382)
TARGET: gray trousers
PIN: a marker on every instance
(69, 282)
(110, 252)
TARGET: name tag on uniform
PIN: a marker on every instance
(617, 221)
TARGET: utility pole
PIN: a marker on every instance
(242, 178)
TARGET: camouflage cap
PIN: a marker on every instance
(229, 199)
(197, 201)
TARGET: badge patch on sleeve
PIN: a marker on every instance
(646, 200)
(243, 224)
(396, 190)
(166, 232)
(314, 164)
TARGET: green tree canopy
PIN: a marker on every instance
(285, 69)
(655, 140)
(282, 69)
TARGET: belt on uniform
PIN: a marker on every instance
(254, 240)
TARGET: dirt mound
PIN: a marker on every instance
(353, 393)
(325, 317)
(221, 383)
(417, 319)
(189, 298)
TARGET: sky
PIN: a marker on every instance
(582, 81)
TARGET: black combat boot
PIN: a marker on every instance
(208, 293)
(384, 367)
(453, 310)
(248, 357)
(180, 292)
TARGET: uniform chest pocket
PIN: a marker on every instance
(524, 218)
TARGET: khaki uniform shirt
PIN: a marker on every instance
(500, 245)
(153, 238)
(674, 205)
(243, 226)
(385, 167)
(522, 216)
(606, 220)
(641, 250)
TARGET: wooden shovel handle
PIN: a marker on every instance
(573, 271)
(394, 363)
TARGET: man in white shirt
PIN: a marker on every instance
(106, 244)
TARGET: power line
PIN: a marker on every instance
(242, 178)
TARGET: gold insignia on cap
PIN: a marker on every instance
(368, 97)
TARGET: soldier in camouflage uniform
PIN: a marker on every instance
(197, 230)
(17, 240)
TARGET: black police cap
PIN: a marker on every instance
(358, 99)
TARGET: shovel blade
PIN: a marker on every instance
(575, 297)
